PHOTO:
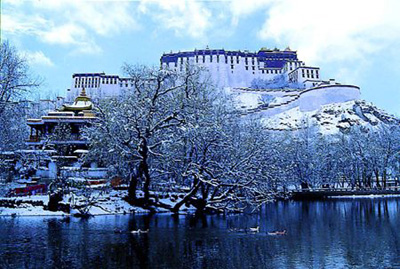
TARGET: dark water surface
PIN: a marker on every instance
(359, 233)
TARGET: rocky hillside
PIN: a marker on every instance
(331, 118)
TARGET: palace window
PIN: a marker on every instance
(204, 59)
(308, 73)
(197, 58)
(237, 59)
(217, 58)
(247, 68)
(254, 68)
(226, 59)
(302, 73)
(211, 58)
(316, 73)
(232, 66)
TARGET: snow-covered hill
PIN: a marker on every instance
(332, 108)
(331, 118)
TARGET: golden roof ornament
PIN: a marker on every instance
(83, 92)
(82, 102)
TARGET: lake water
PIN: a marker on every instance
(353, 233)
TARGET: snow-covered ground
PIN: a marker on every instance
(27, 209)
(109, 203)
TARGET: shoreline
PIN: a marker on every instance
(110, 203)
(28, 210)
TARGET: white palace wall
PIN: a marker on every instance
(223, 75)
(314, 98)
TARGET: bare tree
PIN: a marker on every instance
(180, 130)
(15, 78)
(134, 129)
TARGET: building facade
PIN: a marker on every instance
(98, 85)
(57, 144)
(235, 69)
(227, 69)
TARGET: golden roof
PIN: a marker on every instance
(82, 102)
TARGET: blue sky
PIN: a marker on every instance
(354, 41)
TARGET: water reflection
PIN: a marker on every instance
(329, 234)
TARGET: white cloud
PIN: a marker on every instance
(190, 18)
(103, 17)
(19, 24)
(70, 35)
(240, 8)
(64, 34)
(38, 58)
(332, 30)
(69, 22)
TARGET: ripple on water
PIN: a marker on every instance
(326, 234)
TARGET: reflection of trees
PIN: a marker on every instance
(354, 232)
(343, 233)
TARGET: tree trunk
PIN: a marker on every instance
(377, 179)
(144, 169)
(187, 197)
(146, 185)
(54, 200)
(304, 185)
(133, 181)
(200, 205)
(384, 178)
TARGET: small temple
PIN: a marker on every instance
(57, 136)
(75, 116)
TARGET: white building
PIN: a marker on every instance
(97, 85)
(236, 69)
(227, 69)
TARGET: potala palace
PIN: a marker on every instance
(273, 83)
(268, 81)
(239, 68)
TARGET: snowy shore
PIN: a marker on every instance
(110, 203)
